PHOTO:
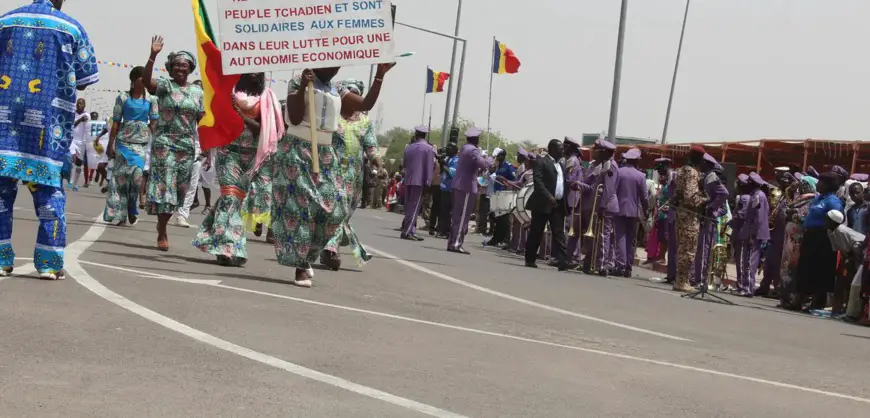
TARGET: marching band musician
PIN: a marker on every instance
(464, 186)
(603, 172)
(773, 255)
(575, 176)
(755, 234)
(631, 192)
(741, 205)
(525, 174)
(419, 161)
(709, 213)
(448, 171)
(505, 174)
(687, 198)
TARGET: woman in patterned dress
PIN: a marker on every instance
(354, 141)
(134, 118)
(309, 208)
(172, 152)
(246, 193)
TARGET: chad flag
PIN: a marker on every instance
(435, 81)
(218, 88)
(503, 59)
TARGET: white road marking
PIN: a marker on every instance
(74, 251)
(148, 274)
(454, 280)
(523, 339)
(378, 217)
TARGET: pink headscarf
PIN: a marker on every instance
(271, 123)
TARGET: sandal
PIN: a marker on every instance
(331, 260)
(224, 261)
(206, 211)
(58, 275)
(162, 244)
(302, 279)
(6, 271)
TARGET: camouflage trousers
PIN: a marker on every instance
(688, 230)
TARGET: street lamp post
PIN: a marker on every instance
(617, 74)
(445, 129)
(674, 80)
(461, 70)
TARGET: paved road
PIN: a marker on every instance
(416, 332)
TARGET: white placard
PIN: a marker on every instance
(281, 35)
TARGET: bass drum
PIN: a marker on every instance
(503, 203)
(521, 213)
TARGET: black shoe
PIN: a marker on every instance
(459, 250)
(531, 265)
(603, 273)
(567, 266)
(416, 238)
(669, 280)
(626, 274)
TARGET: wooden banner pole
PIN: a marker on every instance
(312, 116)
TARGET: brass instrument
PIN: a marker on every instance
(718, 261)
(571, 232)
(594, 231)
(774, 197)
(599, 191)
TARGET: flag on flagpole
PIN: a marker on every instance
(435, 80)
(217, 87)
(504, 61)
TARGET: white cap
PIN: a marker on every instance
(836, 216)
(497, 151)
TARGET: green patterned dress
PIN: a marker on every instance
(308, 209)
(244, 201)
(354, 141)
(131, 143)
(172, 151)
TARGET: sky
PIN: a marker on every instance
(784, 69)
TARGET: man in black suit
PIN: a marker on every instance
(547, 204)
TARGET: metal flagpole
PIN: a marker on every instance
(674, 80)
(430, 118)
(446, 129)
(617, 74)
(491, 74)
(423, 116)
(459, 84)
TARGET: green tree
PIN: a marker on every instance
(397, 138)
(526, 144)
(388, 137)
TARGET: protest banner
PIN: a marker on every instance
(283, 35)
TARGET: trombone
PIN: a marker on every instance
(596, 234)
(574, 215)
